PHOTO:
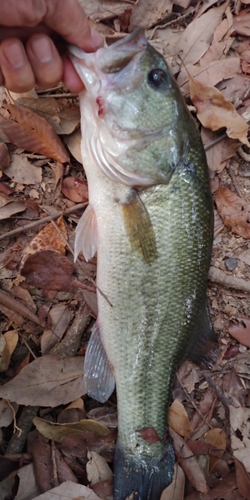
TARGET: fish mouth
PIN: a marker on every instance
(120, 53)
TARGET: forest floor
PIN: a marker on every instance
(55, 440)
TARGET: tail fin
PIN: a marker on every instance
(146, 479)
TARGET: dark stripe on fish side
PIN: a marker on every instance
(146, 479)
(139, 228)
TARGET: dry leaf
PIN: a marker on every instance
(97, 468)
(27, 130)
(22, 171)
(243, 479)
(7, 413)
(197, 37)
(73, 142)
(98, 10)
(47, 239)
(10, 343)
(58, 432)
(69, 491)
(49, 270)
(175, 491)
(241, 23)
(147, 13)
(219, 153)
(240, 432)
(4, 156)
(214, 111)
(178, 419)
(63, 115)
(60, 316)
(189, 463)
(211, 73)
(217, 438)
(234, 211)
(12, 208)
(75, 189)
(47, 381)
(241, 332)
(149, 434)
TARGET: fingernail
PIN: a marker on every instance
(14, 55)
(96, 39)
(42, 50)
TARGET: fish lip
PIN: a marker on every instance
(136, 39)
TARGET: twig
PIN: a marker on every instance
(192, 402)
(14, 305)
(36, 223)
(17, 442)
(57, 96)
(214, 141)
(226, 401)
(217, 276)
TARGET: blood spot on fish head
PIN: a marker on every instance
(100, 103)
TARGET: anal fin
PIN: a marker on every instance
(98, 376)
(86, 234)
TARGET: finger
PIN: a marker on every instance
(71, 78)
(15, 67)
(72, 24)
(44, 59)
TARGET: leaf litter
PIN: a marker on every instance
(63, 441)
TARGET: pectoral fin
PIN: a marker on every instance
(98, 376)
(86, 234)
(139, 228)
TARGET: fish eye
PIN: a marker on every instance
(157, 78)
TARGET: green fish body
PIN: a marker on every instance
(150, 218)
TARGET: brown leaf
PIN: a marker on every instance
(70, 491)
(241, 23)
(75, 189)
(97, 468)
(189, 463)
(104, 489)
(47, 239)
(214, 111)
(79, 444)
(14, 207)
(197, 37)
(4, 156)
(243, 479)
(216, 437)
(147, 13)
(49, 270)
(178, 419)
(22, 171)
(175, 491)
(241, 332)
(234, 211)
(27, 130)
(58, 432)
(47, 381)
(63, 115)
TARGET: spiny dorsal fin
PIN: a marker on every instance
(139, 228)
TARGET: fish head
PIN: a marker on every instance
(137, 113)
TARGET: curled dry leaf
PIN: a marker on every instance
(75, 189)
(215, 111)
(234, 211)
(241, 332)
(178, 419)
(58, 432)
(27, 130)
(47, 381)
(241, 23)
(216, 437)
(10, 342)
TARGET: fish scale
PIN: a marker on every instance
(150, 217)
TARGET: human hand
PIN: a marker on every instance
(31, 32)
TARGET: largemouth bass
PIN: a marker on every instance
(150, 219)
